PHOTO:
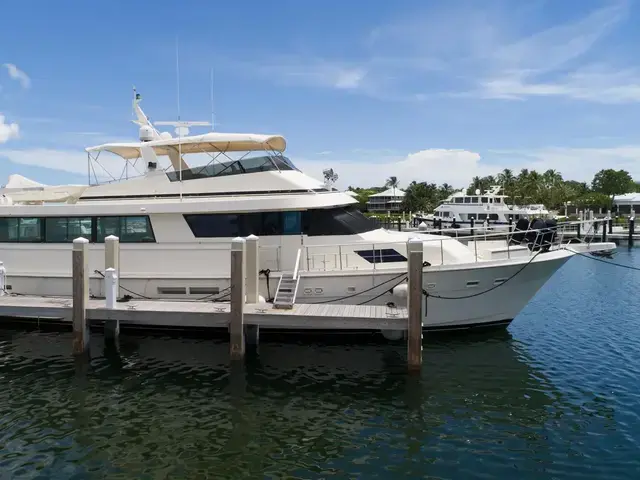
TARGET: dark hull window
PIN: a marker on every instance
(334, 221)
(66, 229)
(384, 255)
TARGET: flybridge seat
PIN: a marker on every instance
(19, 189)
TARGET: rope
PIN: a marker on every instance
(365, 291)
(477, 294)
(383, 293)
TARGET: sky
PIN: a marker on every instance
(425, 90)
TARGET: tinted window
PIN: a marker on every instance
(63, 229)
(234, 167)
(474, 199)
(384, 255)
(334, 221)
(128, 229)
(467, 199)
(458, 200)
(26, 230)
(493, 216)
(485, 199)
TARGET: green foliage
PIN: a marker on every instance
(527, 187)
(612, 182)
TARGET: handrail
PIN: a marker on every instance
(297, 265)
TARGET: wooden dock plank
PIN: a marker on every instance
(207, 314)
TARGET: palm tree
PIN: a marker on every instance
(392, 182)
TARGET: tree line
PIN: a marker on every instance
(526, 187)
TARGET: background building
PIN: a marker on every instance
(388, 201)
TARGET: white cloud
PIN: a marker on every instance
(458, 167)
(18, 75)
(8, 131)
(432, 165)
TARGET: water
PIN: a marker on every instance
(555, 396)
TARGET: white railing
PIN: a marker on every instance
(297, 264)
(371, 256)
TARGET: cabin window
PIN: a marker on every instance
(471, 216)
(482, 216)
(485, 200)
(445, 214)
(384, 255)
(474, 199)
(127, 229)
(459, 200)
(467, 199)
(291, 223)
(23, 230)
(493, 216)
(333, 221)
(66, 229)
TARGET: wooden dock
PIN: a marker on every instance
(161, 313)
(243, 316)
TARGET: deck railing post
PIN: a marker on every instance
(112, 290)
(415, 250)
(80, 289)
(236, 324)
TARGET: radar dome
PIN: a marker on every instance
(146, 133)
(165, 135)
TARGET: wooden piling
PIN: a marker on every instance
(604, 230)
(473, 222)
(80, 289)
(414, 304)
(236, 324)
(112, 283)
(632, 222)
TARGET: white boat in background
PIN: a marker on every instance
(175, 221)
(487, 211)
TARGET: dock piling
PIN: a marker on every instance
(414, 304)
(80, 289)
(604, 230)
(472, 225)
(632, 221)
(236, 324)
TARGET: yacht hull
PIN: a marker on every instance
(458, 296)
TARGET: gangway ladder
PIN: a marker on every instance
(288, 287)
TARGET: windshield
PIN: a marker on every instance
(234, 167)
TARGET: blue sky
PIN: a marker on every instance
(424, 90)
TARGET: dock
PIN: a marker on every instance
(192, 314)
(243, 316)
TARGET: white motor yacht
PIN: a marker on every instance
(176, 221)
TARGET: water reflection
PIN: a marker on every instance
(175, 406)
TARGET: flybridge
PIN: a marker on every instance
(153, 143)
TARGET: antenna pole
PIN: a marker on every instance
(179, 128)
(212, 114)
